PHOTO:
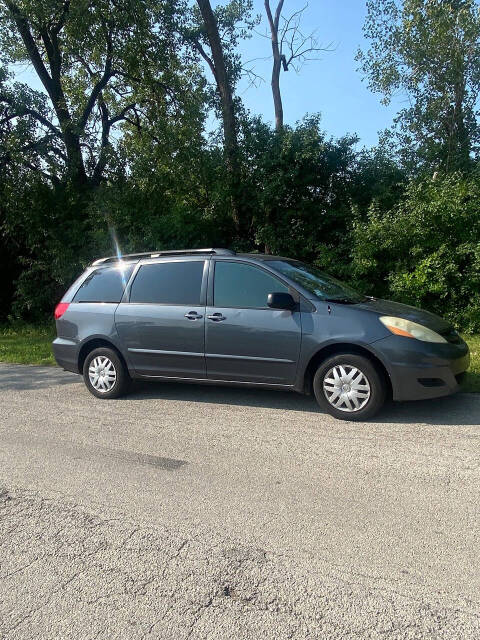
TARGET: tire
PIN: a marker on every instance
(113, 380)
(358, 401)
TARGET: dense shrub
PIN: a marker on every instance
(299, 181)
(426, 250)
(305, 195)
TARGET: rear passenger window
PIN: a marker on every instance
(178, 283)
(104, 285)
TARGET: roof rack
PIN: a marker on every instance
(131, 257)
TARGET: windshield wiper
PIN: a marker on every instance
(341, 300)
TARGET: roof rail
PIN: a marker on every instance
(131, 257)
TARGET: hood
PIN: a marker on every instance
(399, 310)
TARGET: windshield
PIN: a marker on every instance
(320, 284)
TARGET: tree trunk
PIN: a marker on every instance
(75, 164)
(228, 110)
(463, 142)
(277, 62)
(277, 96)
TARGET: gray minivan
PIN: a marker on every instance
(215, 316)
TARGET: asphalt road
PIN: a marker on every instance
(199, 512)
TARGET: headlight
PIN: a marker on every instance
(409, 329)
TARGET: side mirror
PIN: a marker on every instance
(281, 301)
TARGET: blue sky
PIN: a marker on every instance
(332, 85)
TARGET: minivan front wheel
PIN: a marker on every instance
(349, 387)
(105, 374)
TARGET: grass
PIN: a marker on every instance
(26, 344)
(472, 379)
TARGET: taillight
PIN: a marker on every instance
(60, 309)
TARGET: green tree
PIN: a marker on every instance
(430, 51)
(108, 68)
(377, 177)
(298, 187)
(101, 63)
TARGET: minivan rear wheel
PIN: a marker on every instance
(349, 387)
(104, 374)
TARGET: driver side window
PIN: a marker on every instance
(243, 286)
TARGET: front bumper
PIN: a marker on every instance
(422, 370)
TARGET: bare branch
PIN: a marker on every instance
(299, 48)
(262, 35)
(274, 22)
(277, 61)
(299, 45)
(287, 22)
(255, 80)
(302, 54)
(278, 13)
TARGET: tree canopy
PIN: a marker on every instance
(135, 135)
(428, 51)
(101, 64)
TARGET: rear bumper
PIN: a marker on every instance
(422, 370)
(65, 353)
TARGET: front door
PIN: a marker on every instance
(245, 340)
(162, 325)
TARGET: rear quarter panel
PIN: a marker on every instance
(86, 321)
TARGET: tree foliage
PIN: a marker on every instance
(428, 50)
(101, 63)
(116, 149)
(426, 250)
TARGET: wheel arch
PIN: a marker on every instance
(343, 347)
(96, 343)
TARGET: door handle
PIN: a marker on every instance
(217, 317)
(193, 315)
